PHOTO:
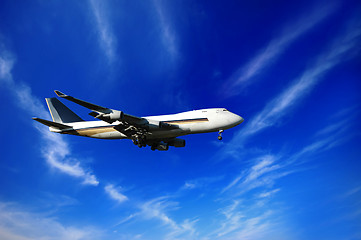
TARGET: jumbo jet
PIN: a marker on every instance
(158, 132)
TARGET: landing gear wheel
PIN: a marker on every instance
(220, 134)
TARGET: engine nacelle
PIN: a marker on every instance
(116, 115)
(153, 125)
(177, 142)
(165, 125)
(111, 117)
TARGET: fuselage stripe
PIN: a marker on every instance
(102, 129)
(185, 121)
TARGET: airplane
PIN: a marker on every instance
(158, 132)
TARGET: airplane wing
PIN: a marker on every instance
(131, 126)
(103, 113)
(83, 103)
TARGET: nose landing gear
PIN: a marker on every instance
(220, 134)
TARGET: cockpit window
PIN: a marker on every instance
(225, 110)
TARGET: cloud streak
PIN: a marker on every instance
(254, 217)
(342, 49)
(245, 74)
(107, 40)
(115, 194)
(266, 169)
(240, 220)
(168, 35)
(18, 224)
(56, 150)
(158, 209)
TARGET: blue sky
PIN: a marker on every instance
(291, 170)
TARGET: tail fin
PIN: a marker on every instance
(60, 113)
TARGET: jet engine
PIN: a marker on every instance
(152, 125)
(166, 125)
(109, 117)
(177, 142)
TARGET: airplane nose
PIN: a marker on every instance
(239, 119)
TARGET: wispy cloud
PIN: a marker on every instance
(200, 183)
(58, 156)
(268, 193)
(6, 65)
(19, 224)
(158, 209)
(256, 216)
(245, 74)
(326, 138)
(265, 170)
(349, 203)
(343, 48)
(107, 39)
(247, 221)
(168, 35)
(56, 151)
(262, 173)
(114, 193)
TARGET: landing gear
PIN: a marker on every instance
(139, 141)
(220, 134)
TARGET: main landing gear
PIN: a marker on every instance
(220, 134)
(140, 141)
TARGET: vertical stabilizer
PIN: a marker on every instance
(60, 113)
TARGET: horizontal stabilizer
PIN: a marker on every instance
(52, 124)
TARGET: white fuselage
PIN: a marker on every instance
(197, 121)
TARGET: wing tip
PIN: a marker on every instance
(60, 94)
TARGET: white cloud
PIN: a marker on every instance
(17, 224)
(6, 64)
(157, 209)
(168, 35)
(328, 137)
(268, 193)
(264, 170)
(114, 193)
(344, 47)
(57, 154)
(107, 40)
(247, 221)
(56, 151)
(202, 182)
(243, 76)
